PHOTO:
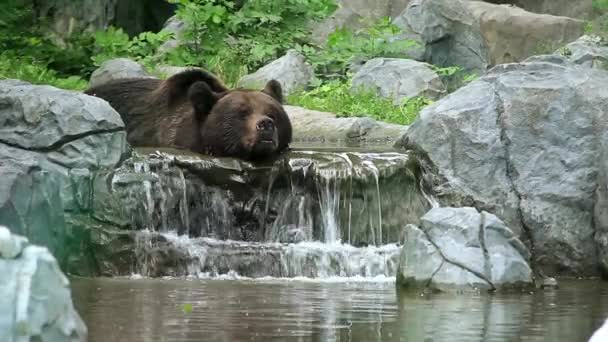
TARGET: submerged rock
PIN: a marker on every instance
(529, 143)
(475, 35)
(291, 70)
(36, 301)
(399, 79)
(117, 68)
(460, 248)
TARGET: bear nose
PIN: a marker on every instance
(266, 124)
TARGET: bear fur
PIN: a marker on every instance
(193, 110)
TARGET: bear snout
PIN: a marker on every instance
(266, 124)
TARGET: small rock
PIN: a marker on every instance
(549, 282)
(177, 27)
(460, 248)
(588, 51)
(291, 70)
(115, 69)
(399, 79)
(10, 245)
(36, 301)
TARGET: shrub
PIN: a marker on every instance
(233, 40)
(345, 47)
(29, 70)
(335, 96)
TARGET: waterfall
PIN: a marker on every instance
(310, 214)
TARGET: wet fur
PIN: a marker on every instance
(193, 110)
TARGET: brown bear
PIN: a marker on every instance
(193, 110)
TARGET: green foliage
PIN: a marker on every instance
(345, 47)
(336, 96)
(187, 308)
(232, 40)
(27, 69)
(115, 43)
(600, 5)
(23, 35)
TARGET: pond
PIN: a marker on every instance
(178, 310)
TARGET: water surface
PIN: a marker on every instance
(138, 310)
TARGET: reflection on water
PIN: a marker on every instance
(226, 310)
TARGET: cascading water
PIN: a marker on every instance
(310, 214)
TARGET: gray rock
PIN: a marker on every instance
(67, 17)
(588, 51)
(36, 301)
(459, 248)
(399, 79)
(291, 70)
(10, 245)
(115, 69)
(52, 142)
(311, 127)
(177, 28)
(42, 117)
(575, 9)
(527, 142)
(475, 35)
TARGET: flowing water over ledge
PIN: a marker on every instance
(321, 213)
(142, 310)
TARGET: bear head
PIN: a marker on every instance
(242, 123)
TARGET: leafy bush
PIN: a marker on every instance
(335, 96)
(25, 35)
(27, 69)
(345, 47)
(115, 43)
(232, 40)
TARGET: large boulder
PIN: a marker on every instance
(68, 17)
(36, 300)
(527, 142)
(399, 79)
(115, 69)
(589, 51)
(475, 35)
(315, 127)
(576, 9)
(291, 70)
(52, 143)
(460, 248)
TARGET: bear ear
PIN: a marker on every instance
(179, 84)
(202, 98)
(274, 89)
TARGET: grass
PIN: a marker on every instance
(336, 97)
(27, 69)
